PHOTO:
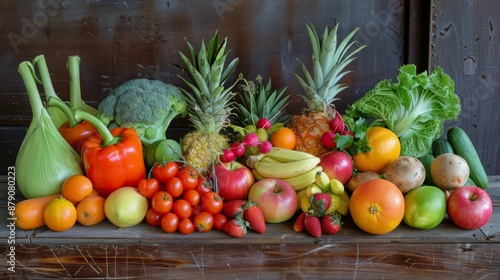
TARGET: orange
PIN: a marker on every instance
(284, 138)
(75, 188)
(60, 214)
(90, 211)
(385, 148)
(377, 206)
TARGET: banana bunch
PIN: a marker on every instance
(295, 167)
(323, 184)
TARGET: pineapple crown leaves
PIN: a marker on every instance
(210, 103)
(328, 63)
(259, 101)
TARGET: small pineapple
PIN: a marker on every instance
(209, 103)
(258, 101)
(320, 90)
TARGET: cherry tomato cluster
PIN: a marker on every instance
(181, 200)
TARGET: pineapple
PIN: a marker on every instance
(209, 103)
(259, 102)
(320, 90)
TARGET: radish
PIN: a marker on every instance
(328, 139)
(227, 155)
(251, 140)
(337, 123)
(265, 147)
(263, 123)
(237, 148)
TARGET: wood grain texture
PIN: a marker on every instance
(104, 251)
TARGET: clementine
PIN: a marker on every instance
(90, 211)
(385, 148)
(76, 188)
(377, 206)
(284, 137)
(60, 214)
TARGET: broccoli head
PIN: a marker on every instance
(148, 106)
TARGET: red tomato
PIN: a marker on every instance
(186, 226)
(197, 209)
(164, 172)
(169, 222)
(148, 187)
(152, 218)
(192, 196)
(212, 203)
(203, 222)
(203, 186)
(182, 208)
(174, 186)
(162, 202)
(189, 178)
(220, 221)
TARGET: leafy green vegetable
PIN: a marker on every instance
(414, 108)
(148, 106)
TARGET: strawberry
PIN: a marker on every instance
(233, 208)
(312, 224)
(235, 228)
(253, 215)
(331, 223)
(299, 223)
(320, 202)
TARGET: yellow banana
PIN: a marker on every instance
(287, 169)
(269, 160)
(305, 204)
(344, 206)
(303, 180)
(312, 189)
(343, 209)
(322, 180)
(287, 155)
(257, 175)
(300, 194)
(336, 186)
(336, 204)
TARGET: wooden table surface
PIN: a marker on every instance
(104, 251)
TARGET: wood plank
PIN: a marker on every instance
(105, 251)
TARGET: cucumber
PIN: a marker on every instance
(441, 146)
(462, 145)
(427, 160)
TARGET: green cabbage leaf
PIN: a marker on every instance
(414, 108)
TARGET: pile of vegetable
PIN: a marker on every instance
(234, 181)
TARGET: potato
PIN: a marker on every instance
(360, 178)
(406, 172)
(449, 171)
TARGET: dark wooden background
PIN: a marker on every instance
(121, 40)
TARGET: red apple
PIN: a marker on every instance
(337, 165)
(234, 180)
(276, 198)
(469, 207)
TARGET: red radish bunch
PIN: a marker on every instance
(338, 127)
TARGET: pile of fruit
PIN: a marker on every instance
(247, 164)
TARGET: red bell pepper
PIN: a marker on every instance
(112, 159)
(75, 133)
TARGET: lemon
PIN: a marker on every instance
(425, 207)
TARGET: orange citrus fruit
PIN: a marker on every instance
(377, 206)
(284, 138)
(90, 211)
(385, 148)
(75, 188)
(60, 214)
